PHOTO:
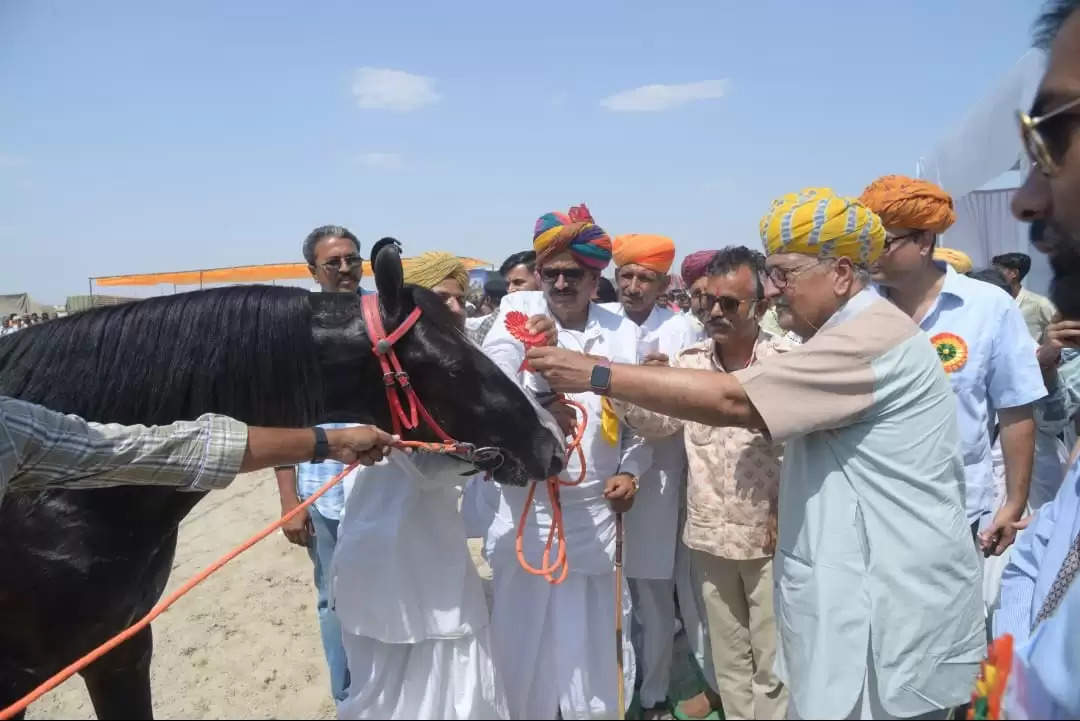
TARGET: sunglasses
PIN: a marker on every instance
(1047, 142)
(333, 265)
(729, 305)
(570, 275)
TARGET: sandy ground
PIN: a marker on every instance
(243, 644)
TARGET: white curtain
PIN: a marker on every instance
(987, 142)
(985, 227)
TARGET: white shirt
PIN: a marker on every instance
(588, 518)
(651, 526)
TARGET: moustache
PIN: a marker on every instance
(719, 324)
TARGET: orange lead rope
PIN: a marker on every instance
(515, 325)
(548, 569)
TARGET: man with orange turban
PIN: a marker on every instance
(642, 263)
(981, 339)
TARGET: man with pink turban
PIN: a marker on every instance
(694, 278)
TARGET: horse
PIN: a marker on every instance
(78, 566)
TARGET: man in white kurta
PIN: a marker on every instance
(643, 262)
(554, 643)
(412, 610)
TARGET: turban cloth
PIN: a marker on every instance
(574, 231)
(820, 223)
(958, 259)
(655, 252)
(903, 202)
(429, 269)
(695, 265)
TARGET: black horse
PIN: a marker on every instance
(78, 566)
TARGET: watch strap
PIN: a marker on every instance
(322, 446)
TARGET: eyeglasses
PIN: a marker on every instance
(1046, 146)
(729, 305)
(891, 240)
(570, 275)
(333, 265)
(782, 277)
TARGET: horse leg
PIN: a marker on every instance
(119, 682)
(14, 684)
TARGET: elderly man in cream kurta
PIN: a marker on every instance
(878, 599)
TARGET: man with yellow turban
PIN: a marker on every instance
(983, 343)
(552, 642)
(871, 507)
(445, 275)
(642, 263)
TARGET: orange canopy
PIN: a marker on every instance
(241, 274)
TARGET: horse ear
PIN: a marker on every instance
(389, 275)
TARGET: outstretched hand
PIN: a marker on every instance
(364, 444)
(565, 371)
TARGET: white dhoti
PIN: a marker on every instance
(413, 614)
(434, 679)
(555, 645)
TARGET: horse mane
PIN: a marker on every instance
(245, 351)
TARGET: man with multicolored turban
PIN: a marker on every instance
(552, 642)
(871, 505)
(642, 263)
(983, 343)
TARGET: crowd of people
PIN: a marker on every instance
(15, 322)
(840, 466)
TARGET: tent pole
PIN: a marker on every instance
(90, 282)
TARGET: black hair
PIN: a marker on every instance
(605, 291)
(526, 258)
(1020, 262)
(728, 260)
(992, 276)
(1053, 16)
(322, 233)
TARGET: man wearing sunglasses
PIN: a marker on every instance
(333, 257)
(732, 495)
(552, 643)
(878, 602)
(642, 263)
(1042, 574)
(983, 343)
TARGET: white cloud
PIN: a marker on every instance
(653, 98)
(384, 89)
(381, 161)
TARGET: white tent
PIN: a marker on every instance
(981, 163)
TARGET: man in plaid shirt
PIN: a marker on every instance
(40, 448)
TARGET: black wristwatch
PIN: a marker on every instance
(322, 446)
(600, 380)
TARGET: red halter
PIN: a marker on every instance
(395, 378)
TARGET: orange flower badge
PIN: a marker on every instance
(952, 350)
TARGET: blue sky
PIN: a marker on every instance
(139, 137)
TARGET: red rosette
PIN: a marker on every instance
(515, 326)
